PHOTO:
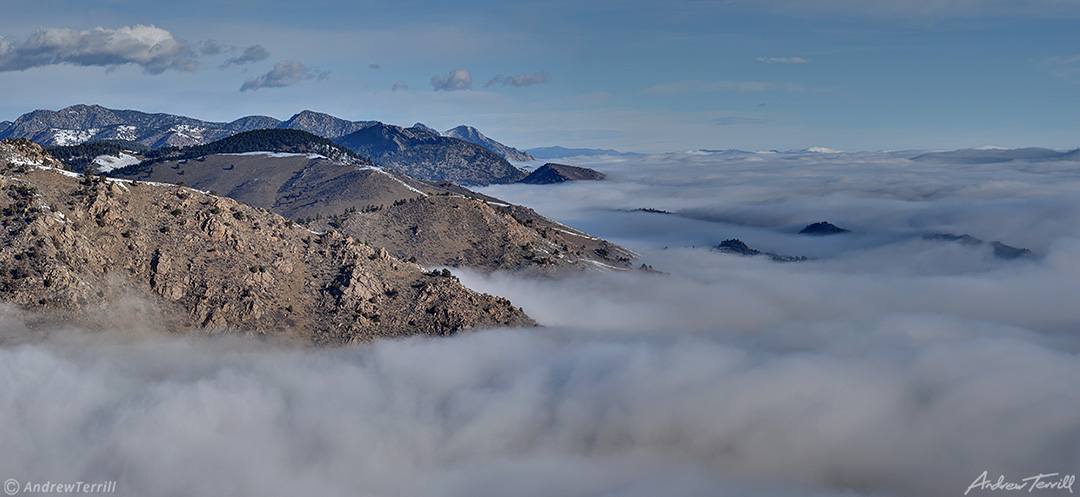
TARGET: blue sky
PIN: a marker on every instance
(634, 75)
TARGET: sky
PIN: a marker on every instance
(634, 75)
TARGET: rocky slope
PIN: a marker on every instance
(551, 173)
(436, 223)
(473, 135)
(456, 230)
(105, 253)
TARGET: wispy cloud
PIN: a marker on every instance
(254, 53)
(519, 81)
(210, 47)
(693, 86)
(782, 60)
(284, 73)
(374, 66)
(739, 120)
(399, 85)
(154, 49)
(1063, 67)
(458, 79)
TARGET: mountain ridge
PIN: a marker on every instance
(106, 253)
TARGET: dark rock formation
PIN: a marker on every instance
(737, 247)
(823, 228)
(557, 173)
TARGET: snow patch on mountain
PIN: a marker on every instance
(64, 137)
(106, 163)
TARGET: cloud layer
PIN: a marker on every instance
(892, 365)
(154, 49)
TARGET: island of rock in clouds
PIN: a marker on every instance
(106, 253)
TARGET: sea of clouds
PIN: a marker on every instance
(889, 364)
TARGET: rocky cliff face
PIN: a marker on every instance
(102, 253)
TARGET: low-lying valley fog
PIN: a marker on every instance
(891, 362)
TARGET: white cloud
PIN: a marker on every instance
(284, 73)
(458, 79)
(154, 49)
(782, 60)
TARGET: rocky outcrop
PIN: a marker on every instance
(104, 253)
(823, 228)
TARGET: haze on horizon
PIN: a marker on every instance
(634, 76)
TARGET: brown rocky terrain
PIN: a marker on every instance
(456, 230)
(102, 253)
(438, 224)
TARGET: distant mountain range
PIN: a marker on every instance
(991, 155)
(425, 152)
(561, 152)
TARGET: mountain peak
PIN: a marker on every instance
(323, 124)
(473, 135)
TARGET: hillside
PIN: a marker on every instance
(454, 230)
(422, 154)
(376, 205)
(113, 254)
